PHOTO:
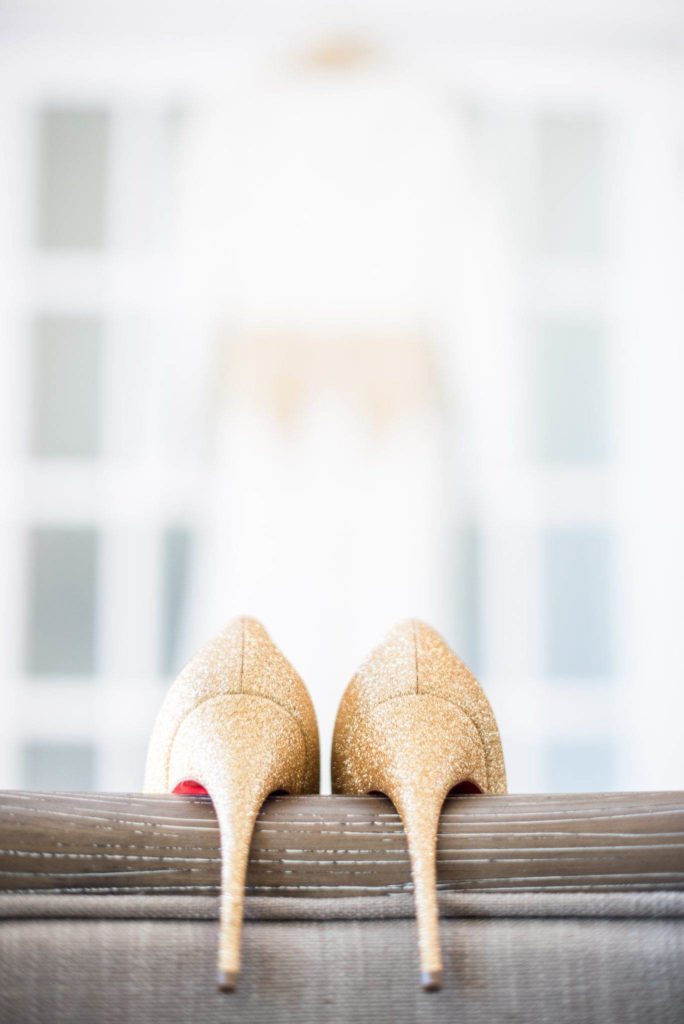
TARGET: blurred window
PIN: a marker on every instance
(577, 567)
(176, 561)
(55, 766)
(571, 391)
(580, 766)
(66, 386)
(62, 587)
(72, 178)
(571, 201)
(470, 595)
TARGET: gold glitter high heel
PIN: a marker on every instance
(414, 724)
(238, 724)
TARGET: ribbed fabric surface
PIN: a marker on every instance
(613, 957)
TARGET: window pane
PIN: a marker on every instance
(470, 601)
(177, 551)
(581, 766)
(572, 391)
(62, 595)
(577, 592)
(66, 393)
(58, 766)
(72, 178)
(571, 192)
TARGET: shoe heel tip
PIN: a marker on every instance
(431, 981)
(226, 980)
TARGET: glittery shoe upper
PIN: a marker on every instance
(240, 660)
(412, 661)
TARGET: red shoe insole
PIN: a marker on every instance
(190, 788)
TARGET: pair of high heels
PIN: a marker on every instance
(239, 724)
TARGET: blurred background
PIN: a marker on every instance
(336, 314)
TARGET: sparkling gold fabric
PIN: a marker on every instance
(240, 659)
(238, 721)
(413, 724)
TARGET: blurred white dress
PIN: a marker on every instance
(319, 219)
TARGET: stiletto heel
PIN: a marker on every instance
(413, 724)
(420, 817)
(238, 724)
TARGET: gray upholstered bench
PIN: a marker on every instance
(555, 908)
